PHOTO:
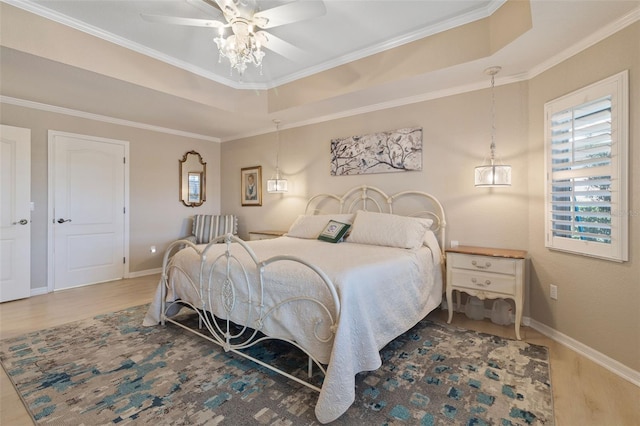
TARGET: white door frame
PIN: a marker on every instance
(16, 236)
(51, 201)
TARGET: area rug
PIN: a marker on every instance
(111, 370)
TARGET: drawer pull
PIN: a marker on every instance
(485, 266)
(480, 284)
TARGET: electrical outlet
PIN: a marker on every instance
(553, 291)
(454, 243)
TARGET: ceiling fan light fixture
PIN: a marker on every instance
(250, 28)
(241, 48)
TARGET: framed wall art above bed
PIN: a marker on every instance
(248, 292)
(383, 152)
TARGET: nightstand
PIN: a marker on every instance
(487, 273)
(265, 235)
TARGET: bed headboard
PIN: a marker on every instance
(370, 198)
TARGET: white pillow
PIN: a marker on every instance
(311, 226)
(390, 230)
(427, 222)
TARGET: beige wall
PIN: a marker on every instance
(456, 137)
(156, 215)
(598, 300)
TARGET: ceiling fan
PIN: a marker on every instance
(249, 27)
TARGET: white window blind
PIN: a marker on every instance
(586, 149)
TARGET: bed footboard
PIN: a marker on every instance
(229, 289)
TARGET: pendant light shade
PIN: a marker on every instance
(277, 184)
(493, 174)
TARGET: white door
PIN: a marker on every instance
(15, 213)
(88, 216)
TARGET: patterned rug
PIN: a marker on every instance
(111, 370)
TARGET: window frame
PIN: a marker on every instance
(617, 87)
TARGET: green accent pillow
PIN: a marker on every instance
(334, 231)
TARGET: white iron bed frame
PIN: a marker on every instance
(359, 198)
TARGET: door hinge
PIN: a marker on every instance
(124, 260)
(124, 210)
(124, 160)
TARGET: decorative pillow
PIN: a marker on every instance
(334, 231)
(384, 229)
(310, 226)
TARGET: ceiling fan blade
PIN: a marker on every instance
(211, 3)
(174, 20)
(281, 47)
(290, 12)
(210, 7)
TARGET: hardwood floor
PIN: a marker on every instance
(584, 393)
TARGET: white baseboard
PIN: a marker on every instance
(39, 291)
(138, 274)
(599, 358)
(44, 290)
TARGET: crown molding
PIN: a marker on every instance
(103, 118)
(587, 42)
(460, 20)
(423, 97)
(421, 33)
(595, 37)
(52, 15)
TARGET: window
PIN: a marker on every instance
(586, 147)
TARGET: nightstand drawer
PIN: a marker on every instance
(483, 263)
(494, 283)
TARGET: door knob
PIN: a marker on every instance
(61, 220)
(21, 222)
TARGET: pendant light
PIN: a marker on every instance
(277, 184)
(493, 174)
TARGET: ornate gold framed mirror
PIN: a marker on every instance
(193, 178)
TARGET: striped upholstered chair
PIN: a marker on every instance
(207, 227)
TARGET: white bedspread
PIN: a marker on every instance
(383, 292)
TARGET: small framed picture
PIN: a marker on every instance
(251, 186)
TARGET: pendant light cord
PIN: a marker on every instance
(493, 118)
(277, 122)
